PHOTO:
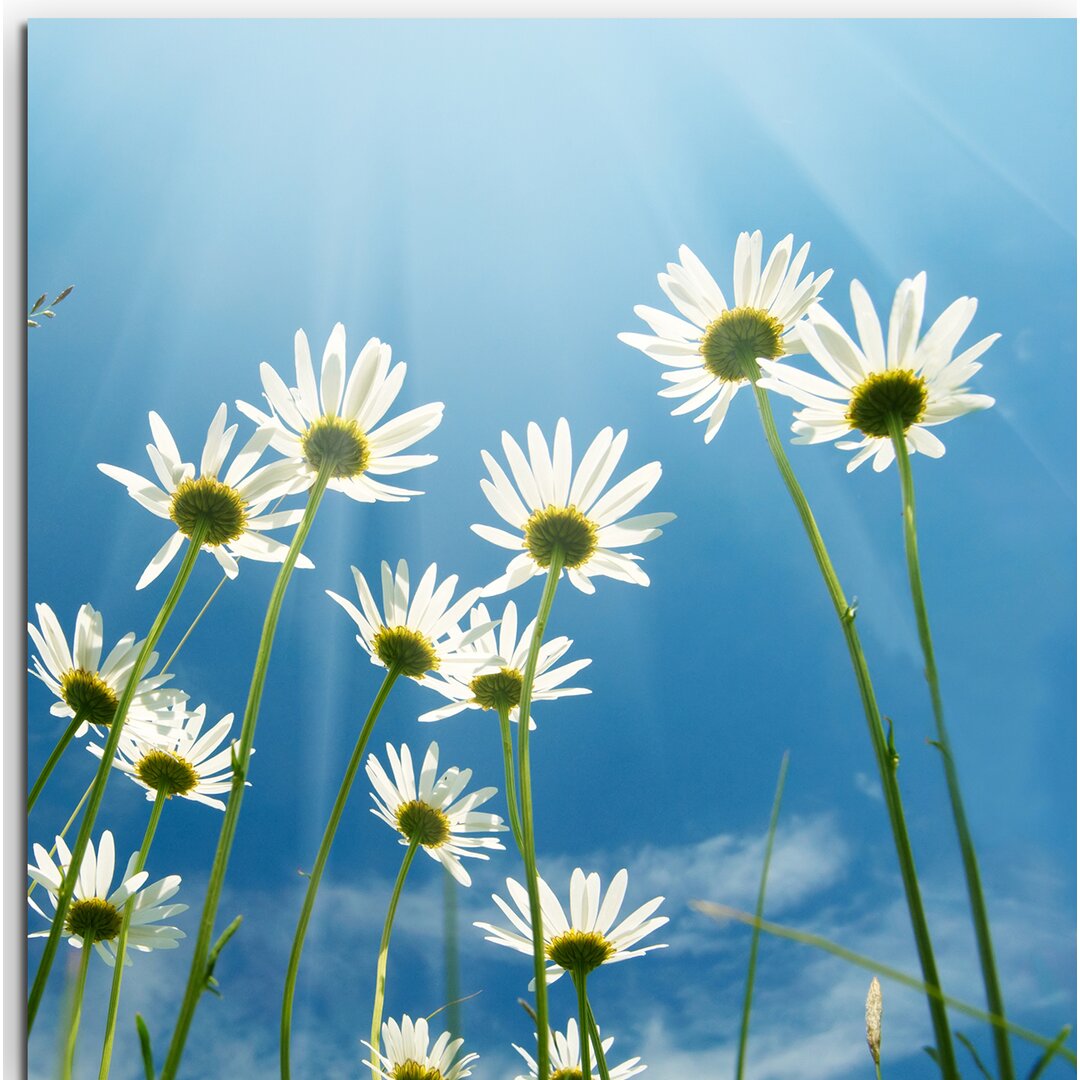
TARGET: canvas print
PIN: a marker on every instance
(551, 549)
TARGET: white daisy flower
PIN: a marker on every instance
(182, 761)
(919, 382)
(338, 421)
(502, 688)
(419, 635)
(79, 678)
(434, 811)
(231, 508)
(566, 1058)
(570, 512)
(407, 1056)
(713, 353)
(96, 913)
(590, 937)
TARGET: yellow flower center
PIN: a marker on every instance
(564, 528)
(165, 771)
(580, 950)
(207, 501)
(499, 690)
(415, 1070)
(886, 394)
(93, 920)
(427, 825)
(338, 443)
(411, 652)
(734, 343)
(87, 690)
(566, 1074)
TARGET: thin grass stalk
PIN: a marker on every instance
(197, 974)
(759, 911)
(316, 874)
(384, 955)
(76, 1011)
(994, 998)
(64, 830)
(721, 912)
(598, 1046)
(121, 941)
(67, 888)
(528, 852)
(451, 959)
(194, 622)
(511, 785)
(883, 755)
(54, 757)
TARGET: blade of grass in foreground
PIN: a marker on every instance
(751, 967)
(721, 913)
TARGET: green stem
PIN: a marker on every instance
(508, 768)
(994, 998)
(877, 1070)
(884, 757)
(194, 623)
(452, 962)
(67, 888)
(759, 910)
(384, 955)
(721, 912)
(320, 863)
(528, 851)
(76, 1010)
(598, 1046)
(121, 941)
(583, 1021)
(54, 757)
(197, 974)
(64, 830)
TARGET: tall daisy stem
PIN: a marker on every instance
(76, 1010)
(121, 941)
(320, 864)
(54, 757)
(994, 999)
(511, 784)
(883, 754)
(583, 1021)
(197, 974)
(598, 1046)
(64, 831)
(67, 888)
(528, 851)
(384, 955)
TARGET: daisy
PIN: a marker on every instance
(182, 762)
(231, 508)
(96, 914)
(419, 635)
(915, 383)
(407, 1056)
(572, 514)
(566, 1058)
(338, 422)
(502, 688)
(715, 352)
(81, 681)
(434, 812)
(588, 939)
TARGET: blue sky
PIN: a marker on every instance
(493, 199)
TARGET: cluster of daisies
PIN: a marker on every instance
(559, 518)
